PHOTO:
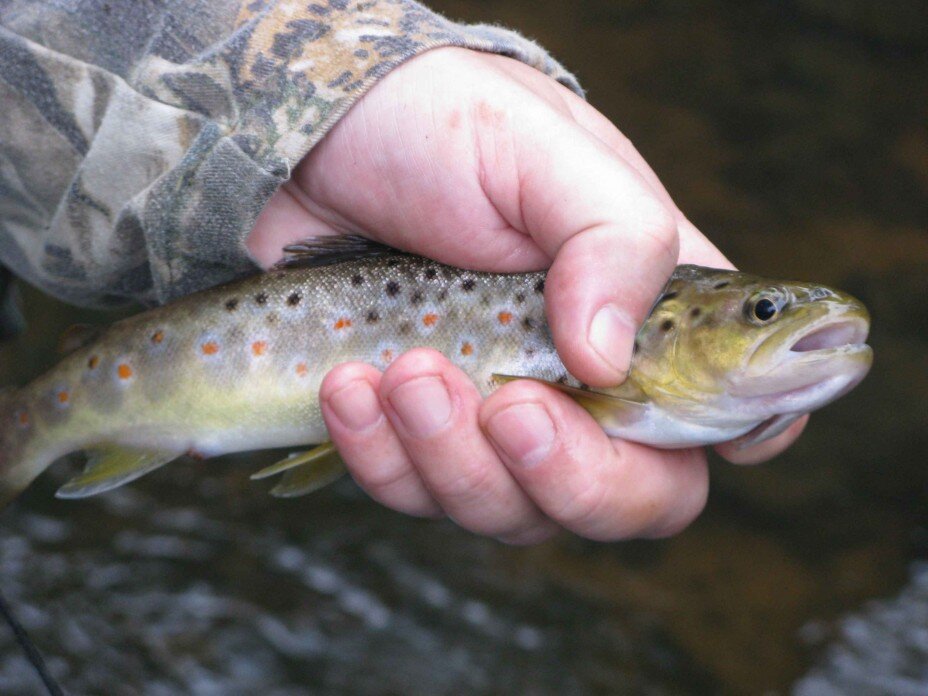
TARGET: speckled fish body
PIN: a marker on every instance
(238, 367)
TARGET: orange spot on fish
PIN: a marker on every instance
(504, 318)
(467, 349)
(63, 397)
(387, 355)
(157, 337)
(210, 348)
(259, 348)
(93, 362)
(124, 371)
(430, 319)
(301, 369)
(343, 323)
(22, 419)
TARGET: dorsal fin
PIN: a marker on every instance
(331, 249)
(77, 336)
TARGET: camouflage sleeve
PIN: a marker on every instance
(141, 138)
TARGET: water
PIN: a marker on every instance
(793, 133)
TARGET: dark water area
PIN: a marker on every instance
(794, 135)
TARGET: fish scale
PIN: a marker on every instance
(238, 367)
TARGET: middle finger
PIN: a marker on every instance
(433, 408)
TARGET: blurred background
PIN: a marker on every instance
(794, 134)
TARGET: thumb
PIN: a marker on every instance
(613, 238)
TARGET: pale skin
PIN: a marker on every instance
(482, 162)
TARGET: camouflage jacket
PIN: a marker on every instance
(141, 138)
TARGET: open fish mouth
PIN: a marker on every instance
(833, 335)
(810, 363)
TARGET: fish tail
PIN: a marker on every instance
(19, 465)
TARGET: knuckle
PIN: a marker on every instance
(376, 476)
(582, 511)
(659, 225)
(396, 486)
(469, 485)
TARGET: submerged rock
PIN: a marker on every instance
(882, 649)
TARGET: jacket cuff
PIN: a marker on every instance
(290, 71)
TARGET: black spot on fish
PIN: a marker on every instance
(540, 286)
(667, 325)
(392, 262)
(562, 379)
(357, 279)
(405, 328)
(695, 312)
(467, 284)
(373, 317)
(232, 304)
(528, 323)
(636, 348)
(392, 288)
(261, 298)
(721, 284)
(667, 296)
(520, 297)
(529, 351)
(431, 273)
(417, 297)
(294, 299)
(443, 295)
(272, 318)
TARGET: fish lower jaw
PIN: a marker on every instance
(800, 399)
(663, 429)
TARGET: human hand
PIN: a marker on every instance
(482, 162)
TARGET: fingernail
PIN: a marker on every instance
(356, 405)
(524, 432)
(612, 335)
(423, 404)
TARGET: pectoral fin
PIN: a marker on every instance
(111, 466)
(601, 405)
(770, 428)
(305, 472)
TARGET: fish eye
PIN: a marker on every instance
(765, 308)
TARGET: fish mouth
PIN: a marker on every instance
(808, 365)
(831, 336)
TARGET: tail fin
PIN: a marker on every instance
(18, 467)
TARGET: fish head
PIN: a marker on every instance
(725, 342)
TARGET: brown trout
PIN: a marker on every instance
(722, 355)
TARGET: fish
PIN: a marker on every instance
(723, 355)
